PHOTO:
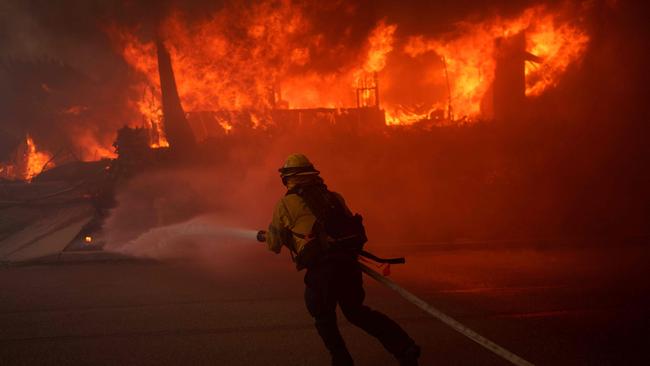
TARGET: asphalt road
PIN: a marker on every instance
(586, 306)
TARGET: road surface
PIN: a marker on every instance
(561, 306)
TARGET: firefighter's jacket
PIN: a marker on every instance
(293, 221)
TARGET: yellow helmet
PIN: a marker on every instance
(297, 164)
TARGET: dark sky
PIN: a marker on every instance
(42, 26)
(73, 30)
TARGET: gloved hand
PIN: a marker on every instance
(261, 236)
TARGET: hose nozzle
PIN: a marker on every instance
(261, 236)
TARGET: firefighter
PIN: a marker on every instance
(324, 238)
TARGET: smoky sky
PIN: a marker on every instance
(33, 28)
(74, 31)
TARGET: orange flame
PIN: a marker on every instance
(29, 162)
(218, 70)
(470, 57)
(151, 110)
(380, 43)
(558, 45)
(35, 160)
(258, 57)
(90, 148)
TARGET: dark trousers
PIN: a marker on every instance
(340, 282)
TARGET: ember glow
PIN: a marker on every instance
(28, 163)
(263, 57)
(36, 160)
(90, 149)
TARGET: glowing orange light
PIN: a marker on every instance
(470, 59)
(235, 73)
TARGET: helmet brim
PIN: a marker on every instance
(293, 171)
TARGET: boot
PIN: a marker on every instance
(410, 356)
(342, 359)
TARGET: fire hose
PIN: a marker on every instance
(446, 319)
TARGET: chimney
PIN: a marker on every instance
(178, 131)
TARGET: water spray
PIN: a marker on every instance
(171, 240)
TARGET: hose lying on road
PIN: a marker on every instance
(453, 323)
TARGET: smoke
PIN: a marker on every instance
(411, 185)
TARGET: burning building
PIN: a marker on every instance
(500, 146)
(222, 84)
(277, 56)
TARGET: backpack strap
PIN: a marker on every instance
(373, 257)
